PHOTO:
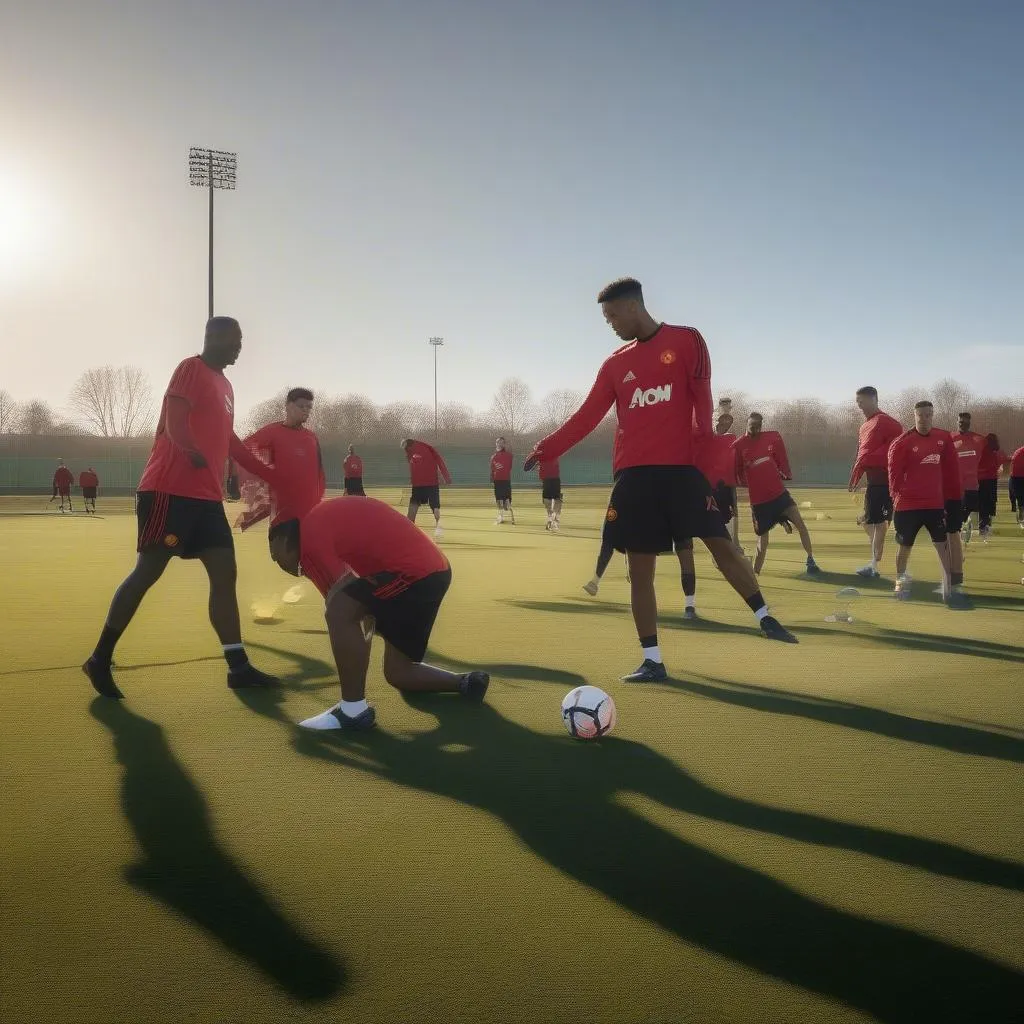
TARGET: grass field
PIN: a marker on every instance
(827, 832)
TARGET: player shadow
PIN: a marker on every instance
(562, 800)
(846, 579)
(183, 867)
(959, 739)
(120, 668)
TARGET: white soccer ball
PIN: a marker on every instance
(588, 713)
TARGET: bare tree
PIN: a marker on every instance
(950, 398)
(454, 418)
(512, 411)
(8, 413)
(262, 413)
(406, 419)
(555, 408)
(114, 401)
(36, 418)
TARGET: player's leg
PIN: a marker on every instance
(604, 556)
(760, 552)
(435, 507)
(793, 515)
(499, 503)
(414, 507)
(906, 526)
(509, 509)
(688, 577)
(556, 508)
(643, 602)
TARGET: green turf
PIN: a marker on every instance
(824, 832)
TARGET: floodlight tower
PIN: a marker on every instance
(210, 169)
(436, 343)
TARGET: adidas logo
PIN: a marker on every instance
(629, 376)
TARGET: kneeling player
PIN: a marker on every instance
(761, 466)
(370, 561)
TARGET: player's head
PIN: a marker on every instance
(724, 423)
(867, 400)
(622, 303)
(924, 413)
(60, 463)
(222, 341)
(284, 545)
(499, 444)
(297, 406)
(992, 442)
(407, 443)
(351, 449)
(964, 420)
(754, 422)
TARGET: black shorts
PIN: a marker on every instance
(988, 497)
(877, 504)
(970, 502)
(653, 508)
(954, 516)
(551, 489)
(767, 514)
(183, 526)
(725, 496)
(426, 494)
(354, 485)
(1016, 487)
(502, 490)
(89, 493)
(404, 611)
(909, 523)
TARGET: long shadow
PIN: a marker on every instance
(183, 867)
(559, 797)
(120, 668)
(961, 739)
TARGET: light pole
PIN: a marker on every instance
(210, 169)
(436, 343)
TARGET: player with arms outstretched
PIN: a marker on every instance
(876, 434)
(660, 385)
(501, 479)
(372, 565)
(425, 467)
(180, 507)
(761, 466)
(352, 468)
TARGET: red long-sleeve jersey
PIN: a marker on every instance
(549, 469)
(717, 460)
(991, 461)
(661, 390)
(62, 480)
(761, 465)
(352, 467)
(923, 471)
(969, 448)
(425, 464)
(875, 436)
(1017, 462)
(295, 453)
(501, 465)
(88, 479)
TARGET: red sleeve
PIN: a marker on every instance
(439, 462)
(261, 440)
(183, 380)
(492, 469)
(700, 386)
(896, 460)
(582, 422)
(245, 458)
(950, 462)
(322, 479)
(323, 568)
(176, 423)
(782, 459)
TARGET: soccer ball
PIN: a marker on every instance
(588, 713)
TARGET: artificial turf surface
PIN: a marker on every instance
(826, 832)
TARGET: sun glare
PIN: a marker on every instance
(26, 225)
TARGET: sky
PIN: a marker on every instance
(830, 190)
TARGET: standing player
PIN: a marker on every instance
(660, 385)
(501, 478)
(991, 463)
(62, 481)
(425, 466)
(969, 447)
(180, 507)
(876, 434)
(1017, 484)
(352, 467)
(761, 466)
(370, 562)
(550, 475)
(718, 462)
(89, 482)
(294, 451)
(921, 462)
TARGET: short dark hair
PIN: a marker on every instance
(756, 416)
(623, 288)
(869, 390)
(220, 323)
(299, 393)
(289, 529)
(924, 404)
(967, 414)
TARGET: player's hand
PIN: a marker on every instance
(197, 459)
(531, 460)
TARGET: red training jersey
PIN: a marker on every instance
(1017, 462)
(295, 453)
(969, 448)
(425, 464)
(63, 479)
(211, 417)
(661, 390)
(365, 537)
(991, 461)
(875, 436)
(549, 469)
(501, 465)
(717, 460)
(88, 479)
(762, 465)
(922, 468)
(352, 467)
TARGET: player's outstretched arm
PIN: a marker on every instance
(581, 423)
(248, 461)
(782, 458)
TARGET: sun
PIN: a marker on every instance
(26, 228)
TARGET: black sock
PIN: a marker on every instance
(235, 656)
(755, 602)
(649, 641)
(689, 583)
(105, 648)
(956, 578)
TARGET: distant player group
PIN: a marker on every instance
(64, 480)
(676, 466)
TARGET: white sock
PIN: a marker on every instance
(596, 580)
(652, 654)
(874, 564)
(761, 612)
(352, 707)
(691, 600)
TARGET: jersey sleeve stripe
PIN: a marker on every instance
(703, 364)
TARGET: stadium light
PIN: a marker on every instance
(436, 343)
(210, 169)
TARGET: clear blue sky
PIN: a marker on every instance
(831, 190)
